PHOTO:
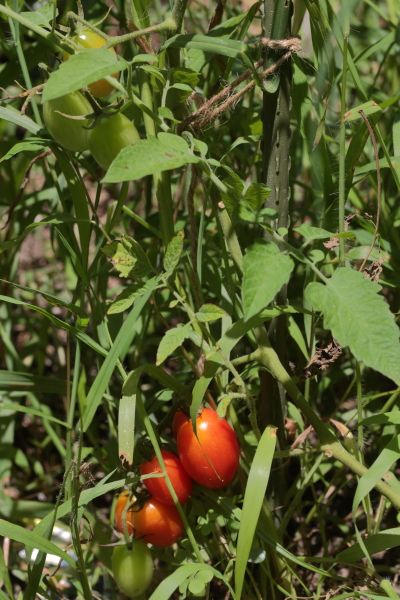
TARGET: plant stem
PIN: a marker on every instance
(178, 12)
(25, 72)
(168, 24)
(162, 182)
(342, 154)
(8, 12)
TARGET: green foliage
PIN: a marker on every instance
(178, 279)
(266, 270)
(359, 318)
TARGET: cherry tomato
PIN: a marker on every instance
(157, 486)
(69, 133)
(157, 523)
(109, 136)
(90, 39)
(132, 568)
(211, 458)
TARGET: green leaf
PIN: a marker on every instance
(28, 145)
(172, 340)
(148, 157)
(14, 406)
(384, 540)
(223, 46)
(117, 350)
(369, 108)
(210, 312)
(42, 15)
(265, 271)
(126, 418)
(128, 258)
(359, 318)
(253, 500)
(125, 300)
(27, 382)
(81, 69)
(31, 539)
(383, 418)
(173, 253)
(313, 233)
(377, 471)
(171, 583)
(14, 116)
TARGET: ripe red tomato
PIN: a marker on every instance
(70, 133)
(132, 568)
(211, 458)
(157, 486)
(109, 136)
(157, 523)
(90, 39)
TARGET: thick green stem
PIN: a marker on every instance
(178, 12)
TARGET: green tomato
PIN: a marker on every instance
(109, 136)
(132, 568)
(69, 133)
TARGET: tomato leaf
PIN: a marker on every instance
(81, 69)
(173, 253)
(359, 318)
(148, 157)
(265, 271)
(210, 312)
(172, 340)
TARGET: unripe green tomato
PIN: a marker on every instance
(132, 568)
(109, 136)
(69, 133)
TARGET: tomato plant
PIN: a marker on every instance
(109, 136)
(157, 486)
(132, 568)
(87, 38)
(70, 133)
(211, 454)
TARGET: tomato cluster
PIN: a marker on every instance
(209, 456)
(71, 122)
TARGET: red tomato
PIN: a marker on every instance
(157, 523)
(212, 457)
(157, 486)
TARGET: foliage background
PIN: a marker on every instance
(125, 296)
